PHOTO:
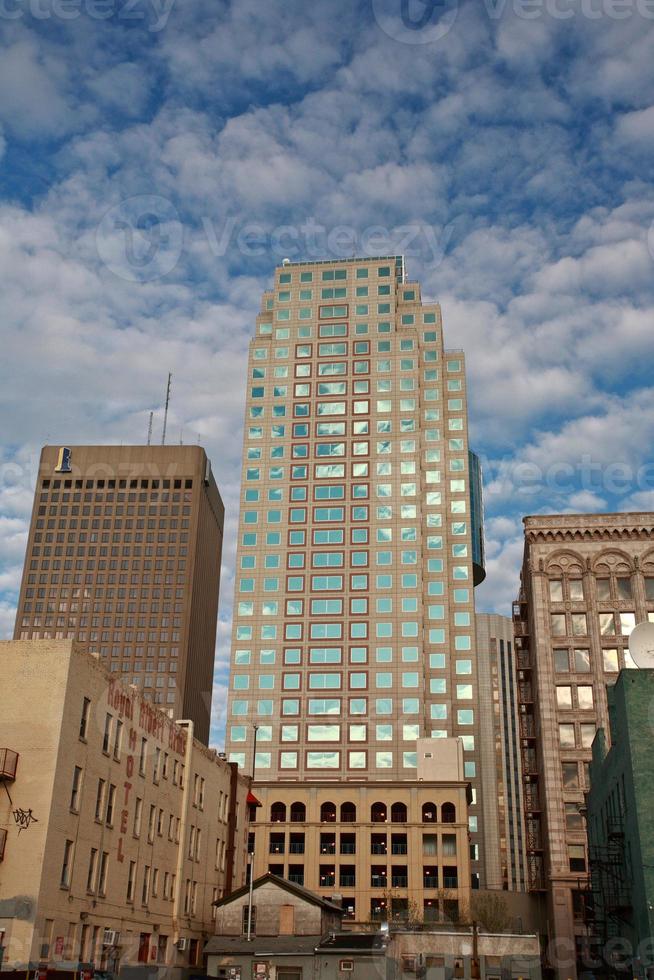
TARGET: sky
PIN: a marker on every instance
(158, 158)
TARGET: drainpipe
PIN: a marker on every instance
(186, 799)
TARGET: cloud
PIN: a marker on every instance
(514, 149)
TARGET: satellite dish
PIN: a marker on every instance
(641, 644)
(286, 261)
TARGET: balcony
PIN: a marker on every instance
(525, 693)
(296, 847)
(296, 878)
(531, 798)
(399, 881)
(527, 727)
(399, 849)
(520, 628)
(430, 881)
(614, 828)
(8, 765)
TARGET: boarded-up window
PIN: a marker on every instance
(286, 920)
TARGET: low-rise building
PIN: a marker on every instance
(394, 849)
(118, 829)
(282, 931)
(620, 822)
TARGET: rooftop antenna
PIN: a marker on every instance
(150, 429)
(165, 422)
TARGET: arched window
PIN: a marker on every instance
(298, 813)
(278, 812)
(328, 813)
(429, 813)
(348, 813)
(448, 813)
(398, 813)
(378, 813)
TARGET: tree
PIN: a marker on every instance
(490, 910)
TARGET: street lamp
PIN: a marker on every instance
(251, 867)
(254, 749)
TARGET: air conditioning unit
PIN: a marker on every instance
(182, 944)
(110, 937)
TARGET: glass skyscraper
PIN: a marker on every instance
(359, 541)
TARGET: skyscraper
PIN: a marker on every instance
(501, 770)
(360, 539)
(124, 556)
(586, 580)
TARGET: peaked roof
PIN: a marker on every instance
(287, 886)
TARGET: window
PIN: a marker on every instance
(106, 738)
(75, 789)
(577, 857)
(84, 720)
(570, 775)
(64, 881)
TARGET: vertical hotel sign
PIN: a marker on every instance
(152, 722)
(63, 460)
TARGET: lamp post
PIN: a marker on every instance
(251, 853)
(251, 867)
(254, 749)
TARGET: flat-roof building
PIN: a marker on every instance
(118, 829)
(123, 557)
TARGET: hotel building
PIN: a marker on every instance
(586, 580)
(118, 829)
(123, 557)
(360, 543)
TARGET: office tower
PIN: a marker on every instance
(123, 556)
(359, 542)
(501, 768)
(586, 580)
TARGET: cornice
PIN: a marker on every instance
(590, 527)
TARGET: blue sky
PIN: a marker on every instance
(159, 157)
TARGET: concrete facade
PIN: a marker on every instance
(501, 771)
(586, 580)
(395, 850)
(123, 557)
(360, 538)
(118, 828)
(621, 828)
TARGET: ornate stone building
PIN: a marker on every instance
(587, 579)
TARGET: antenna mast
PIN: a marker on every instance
(150, 429)
(165, 423)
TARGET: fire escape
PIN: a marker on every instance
(8, 766)
(530, 773)
(611, 882)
